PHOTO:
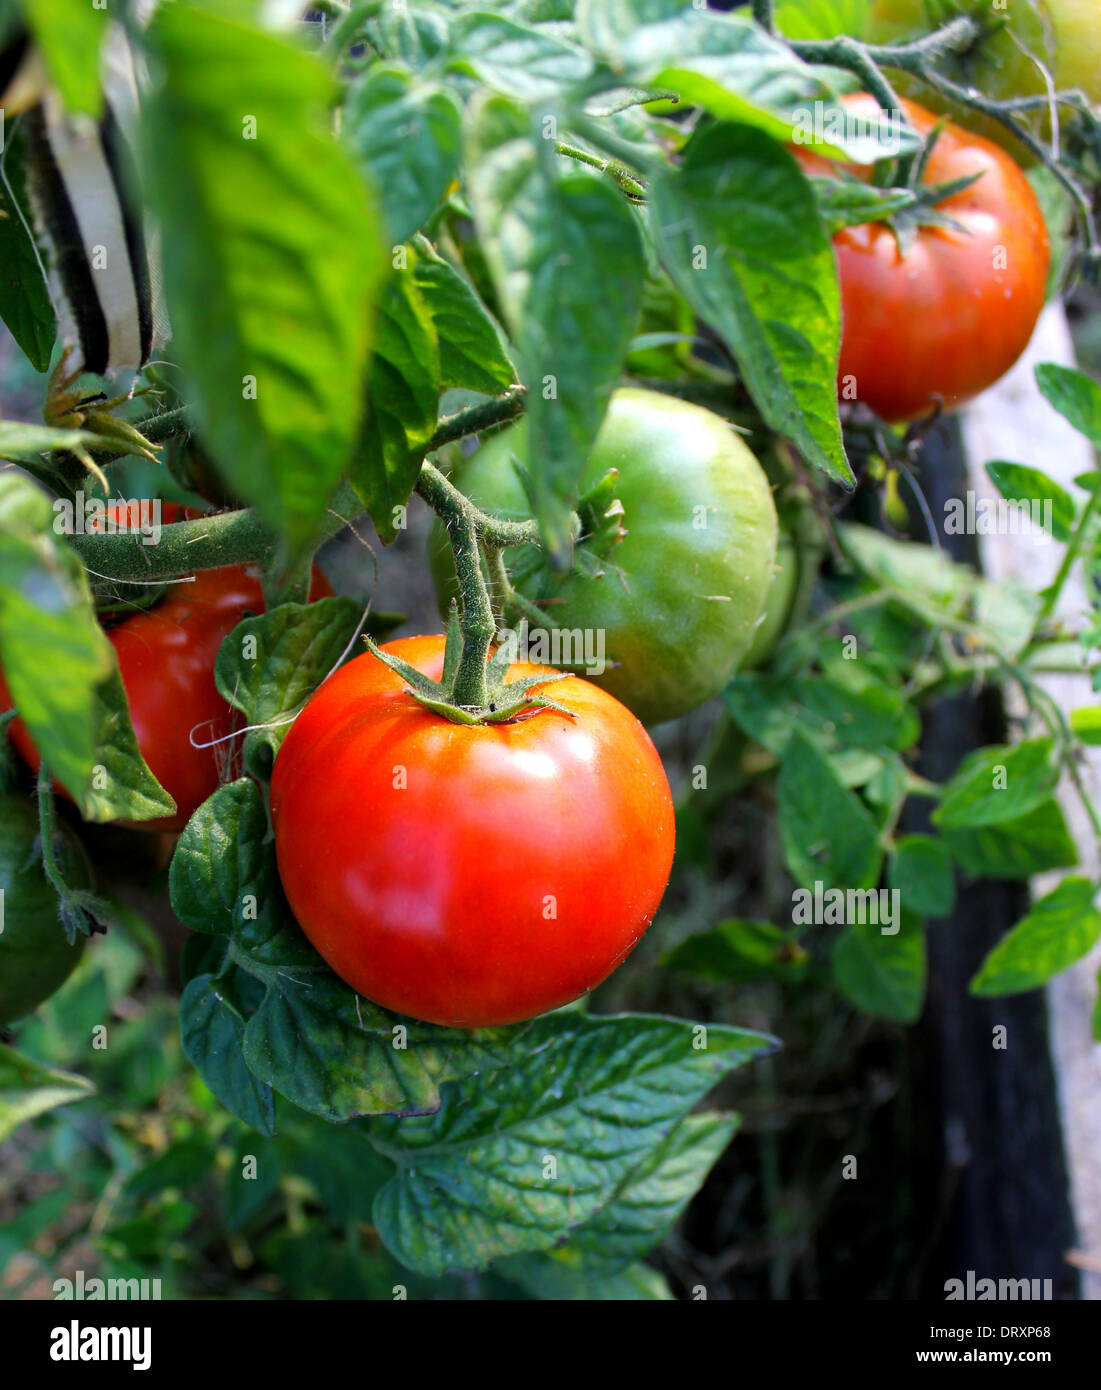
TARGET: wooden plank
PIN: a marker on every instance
(1014, 422)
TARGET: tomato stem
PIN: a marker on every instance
(468, 529)
(920, 59)
(476, 620)
(239, 537)
(622, 177)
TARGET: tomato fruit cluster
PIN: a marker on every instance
(469, 875)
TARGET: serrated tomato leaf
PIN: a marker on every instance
(1059, 930)
(556, 244)
(739, 233)
(828, 835)
(403, 390)
(271, 256)
(512, 1163)
(407, 133)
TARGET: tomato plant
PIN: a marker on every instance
(676, 599)
(464, 941)
(418, 993)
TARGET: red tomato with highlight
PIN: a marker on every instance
(166, 659)
(469, 875)
(953, 315)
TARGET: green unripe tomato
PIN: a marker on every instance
(35, 957)
(778, 609)
(678, 598)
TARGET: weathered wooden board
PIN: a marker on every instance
(1013, 422)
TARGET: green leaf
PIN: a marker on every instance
(25, 304)
(738, 231)
(27, 1089)
(1016, 849)
(857, 767)
(556, 244)
(516, 60)
(1075, 396)
(183, 1164)
(52, 650)
(340, 1163)
(1086, 723)
(122, 786)
(403, 391)
(1097, 1013)
(822, 19)
(270, 665)
(733, 69)
(1059, 930)
(212, 1029)
(223, 867)
(738, 950)
(883, 975)
(60, 668)
(636, 1219)
(407, 134)
(271, 256)
(339, 1056)
(887, 785)
(827, 833)
(921, 871)
(999, 783)
(68, 34)
(1005, 613)
(413, 34)
(758, 705)
(872, 716)
(920, 578)
(655, 1194)
(1033, 488)
(512, 1162)
(472, 348)
(560, 1275)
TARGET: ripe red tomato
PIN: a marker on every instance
(956, 312)
(166, 659)
(469, 875)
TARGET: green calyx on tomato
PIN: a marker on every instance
(507, 696)
(672, 574)
(939, 319)
(36, 957)
(469, 875)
